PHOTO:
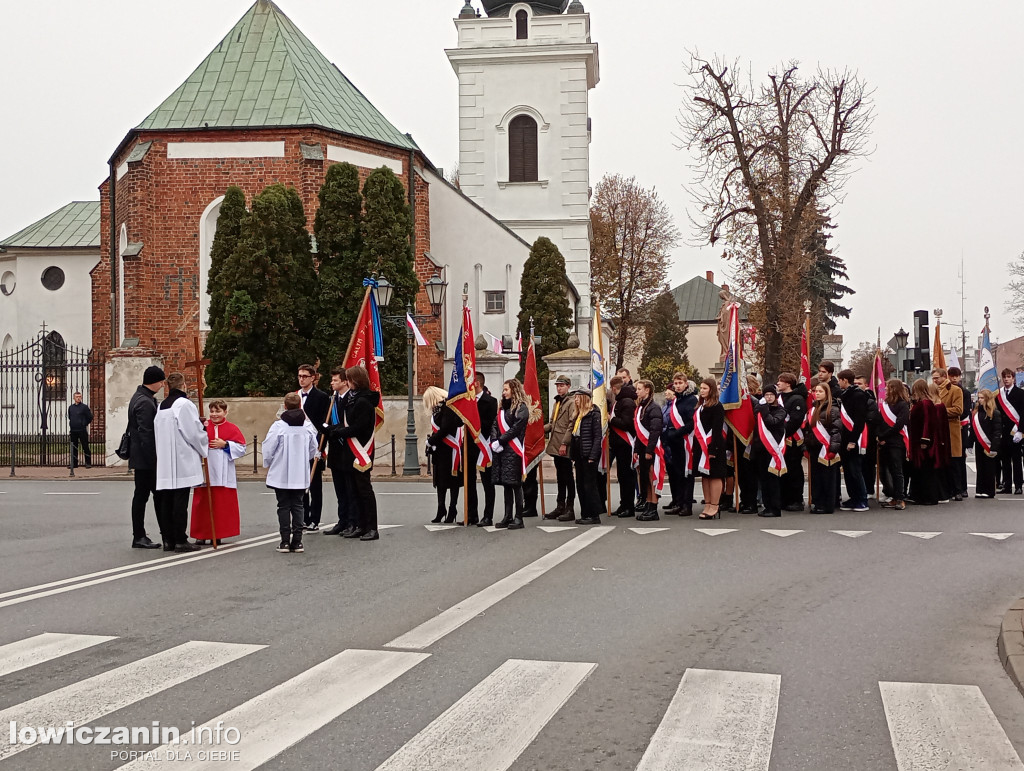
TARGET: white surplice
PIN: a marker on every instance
(181, 444)
(287, 451)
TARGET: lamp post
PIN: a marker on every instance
(435, 288)
(901, 348)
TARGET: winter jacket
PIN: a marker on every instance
(79, 416)
(448, 423)
(833, 423)
(622, 416)
(335, 447)
(488, 407)
(561, 425)
(923, 433)
(508, 464)
(684, 405)
(993, 428)
(774, 417)
(360, 415)
(952, 400)
(586, 445)
(887, 433)
(141, 414)
(855, 402)
(795, 404)
(649, 415)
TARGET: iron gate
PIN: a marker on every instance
(37, 383)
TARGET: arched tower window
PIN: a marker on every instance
(54, 367)
(522, 149)
(522, 25)
(207, 230)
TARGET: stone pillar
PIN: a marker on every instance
(123, 373)
(574, 363)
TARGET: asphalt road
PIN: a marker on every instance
(573, 649)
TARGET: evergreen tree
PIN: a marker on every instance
(665, 344)
(822, 285)
(268, 317)
(542, 297)
(387, 229)
(220, 338)
(342, 266)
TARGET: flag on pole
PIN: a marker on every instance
(739, 412)
(938, 357)
(987, 377)
(597, 366)
(534, 441)
(805, 364)
(411, 323)
(461, 397)
(519, 341)
(367, 347)
(954, 360)
(495, 344)
(878, 377)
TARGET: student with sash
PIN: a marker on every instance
(620, 443)
(793, 396)
(337, 462)
(824, 435)
(893, 441)
(853, 412)
(709, 448)
(677, 436)
(445, 444)
(480, 456)
(507, 444)
(650, 454)
(585, 437)
(960, 464)
(1010, 400)
(987, 428)
(924, 437)
(768, 451)
(869, 435)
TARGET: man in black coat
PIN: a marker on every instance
(341, 472)
(648, 415)
(853, 405)
(869, 460)
(793, 396)
(620, 443)
(1010, 399)
(315, 403)
(359, 425)
(79, 418)
(141, 415)
(683, 407)
(772, 416)
(487, 406)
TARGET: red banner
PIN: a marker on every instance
(534, 431)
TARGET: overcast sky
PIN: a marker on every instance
(944, 181)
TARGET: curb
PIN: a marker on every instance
(1011, 643)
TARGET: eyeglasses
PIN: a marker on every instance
(304, 377)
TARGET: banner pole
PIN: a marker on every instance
(465, 476)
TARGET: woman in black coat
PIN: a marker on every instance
(585, 451)
(772, 415)
(445, 471)
(507, 436)
(709, 421)
(824, 425)
(987, 428)
(893, 418)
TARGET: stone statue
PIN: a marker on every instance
(723, 321)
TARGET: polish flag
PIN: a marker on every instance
(420, 339)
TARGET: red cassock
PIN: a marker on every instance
(223, 485)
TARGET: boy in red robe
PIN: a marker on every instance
(226, 446)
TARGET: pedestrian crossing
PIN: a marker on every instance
(716, 719)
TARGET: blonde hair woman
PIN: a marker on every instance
(445, 445)
(987, 429)
(507, 437)
(585, 451)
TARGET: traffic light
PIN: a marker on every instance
(922, 342)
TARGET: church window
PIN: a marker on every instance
(53, 278)
(7, 282)
(54, 367)
(8, 343)
(522, 25)
(522, 149)
(207, 230)
(494, 302)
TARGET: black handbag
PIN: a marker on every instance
(124, 449)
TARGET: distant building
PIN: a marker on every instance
(699, 305)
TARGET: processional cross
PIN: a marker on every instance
(199, 364)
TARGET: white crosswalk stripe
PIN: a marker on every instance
(283, 716)
(782, 533)
(851, 533)
(526, 695)
(86, 700)
(936, 726)
(42, 648)
(717, 720)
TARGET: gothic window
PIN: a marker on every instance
(522, 25)
(8, 343)
(54, 367)
(522, 149)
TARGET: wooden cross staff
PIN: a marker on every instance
(199, 365)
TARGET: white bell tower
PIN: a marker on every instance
(525, 71)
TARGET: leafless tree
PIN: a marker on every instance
(1015, 305)
(633, 235)
(769, 157)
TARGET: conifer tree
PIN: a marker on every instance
(822, 284)
(268, 318)
(220, 338)
(665, 344)
(341, 266)
(387, 249)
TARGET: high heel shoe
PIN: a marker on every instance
(716, 514)
(436, 520)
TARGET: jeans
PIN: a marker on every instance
(80, 436)
(289, 515)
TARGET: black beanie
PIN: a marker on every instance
(153, 375)
(769, 389)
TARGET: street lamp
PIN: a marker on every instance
(901, 347)
(383, 292)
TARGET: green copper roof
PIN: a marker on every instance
(75, 226)
(265, 72)
(698, 301)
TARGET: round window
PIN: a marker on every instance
(7, 282)
(53, 278)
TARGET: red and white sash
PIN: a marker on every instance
(486, 456)
(862, 443)
(1008, 409)
(980, 435)
(796, 439)
(890, 420)
(363, 452)
(643, 438)
(775, 448)
(821, 434)
(847, 420)
(517, 444)
(704, 441)
(677, 423)
(454, 441)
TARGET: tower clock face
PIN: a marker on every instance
(501, 7)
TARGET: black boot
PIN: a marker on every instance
(505, 522)
(438, 517)
(516, 524)
(556, 512)
(452, 513)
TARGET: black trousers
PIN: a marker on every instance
(348, 512)
(443, 507)
(960, 472)
(748, 481)
(365, 500)
(1010, 464)
(825, 483)
(791, 486)
(80, 436)
(289, 515)
(530, 492)
(472, 500)
(622, 455)
(313, 500)
(869, 466)
(985, 482)
(853, 472)
(892, 456)
(643, 477)
(677, 476)
(172, 514)
(566, 482)
(145, 483)
(771, 488)
(588, 484)
(513, 494)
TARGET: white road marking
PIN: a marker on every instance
(436, 528)
(283, 716)
(448, 621)
(717, 720)
(713, 531)
(44, 647)
(86, 700)
(782, 533)
(556, 529)
(388, 527)
(74, 493)
(646, 530)
(493, 529)
(925, 536)
(936, 726)
(994, 536)
(522, 695)
(149, 567)
(851, 533)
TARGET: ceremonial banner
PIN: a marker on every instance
(597, 366)
(739, 412)
(367, 348)
(534, 443)
(461, 397)
(987, 377)
(954, 360)
(805, 365)
(878, 378)
(938, 357)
